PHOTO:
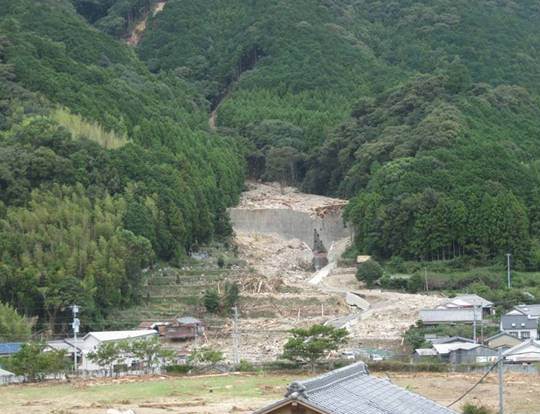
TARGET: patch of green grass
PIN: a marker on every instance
(210, 388)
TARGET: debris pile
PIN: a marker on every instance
(270, 255)
(269, 195)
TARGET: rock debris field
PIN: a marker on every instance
(268, 315)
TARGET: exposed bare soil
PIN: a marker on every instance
(269, 309)
(140, 27)
(271, 195)
(242, 394)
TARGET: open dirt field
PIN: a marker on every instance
(240, 394)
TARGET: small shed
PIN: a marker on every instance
(185, 328)
(159, 327)
(480, 354)
(444, 350)
(421, 353)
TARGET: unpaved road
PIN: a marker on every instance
(390, 313)
(243, 394)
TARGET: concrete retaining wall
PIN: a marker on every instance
(291, 224)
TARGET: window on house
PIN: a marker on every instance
(514, 333)
(525, 335)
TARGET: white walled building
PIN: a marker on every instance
(528, 351)
(93, 340)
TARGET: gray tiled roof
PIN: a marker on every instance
(449, 339)
(516, 322)
(351, 390)
(532, 310)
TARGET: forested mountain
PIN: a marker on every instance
(104, 167)
(425, 113)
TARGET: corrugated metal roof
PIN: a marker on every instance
(443, 349)
(119, 335)
(449, 315)
(8, 348)
(351, 390)
(469, 300)
(426, 352)
(189, 320)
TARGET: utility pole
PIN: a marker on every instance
(501, 382)
(75, 325)
(236, 339)
(482, 327)
(425, 279)
(474, 324)
(508, 255)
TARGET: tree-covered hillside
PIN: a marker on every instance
(104, 167)
(425, 113)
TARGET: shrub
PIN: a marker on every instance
(473, 409)
(179, 369)
(211, 301)
(245, 366)
(415, 283)
(369, 272)
(206, 356)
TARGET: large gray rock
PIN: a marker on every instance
(357, 301)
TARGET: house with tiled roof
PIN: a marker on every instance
(520, 325)
(503, 341)
(351, 390)
(526, 352)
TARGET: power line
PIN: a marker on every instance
(476, 384)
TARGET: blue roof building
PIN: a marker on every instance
(9, 348)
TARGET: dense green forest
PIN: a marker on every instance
(425, 114)
(105, 168)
